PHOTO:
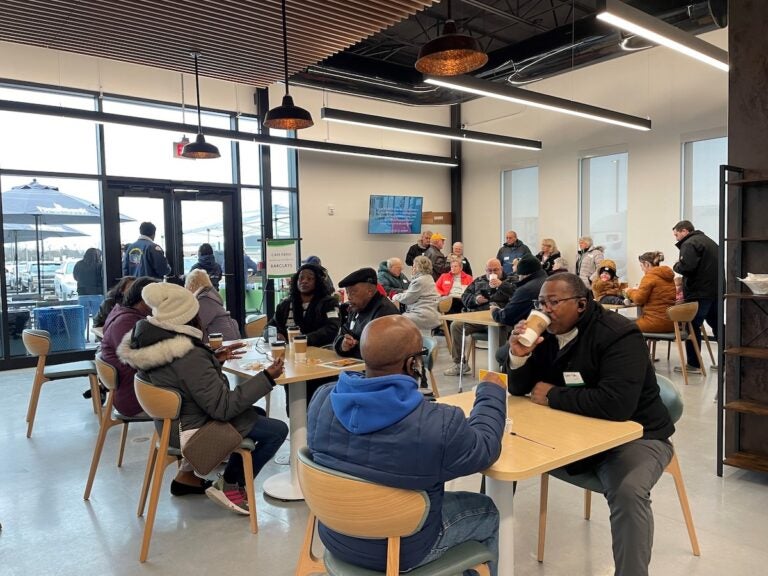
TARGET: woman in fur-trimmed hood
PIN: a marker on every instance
(167, 350)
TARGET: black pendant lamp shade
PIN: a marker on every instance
(199, 149)
(287, 116)
(450, 54)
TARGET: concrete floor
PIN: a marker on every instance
(49, 529)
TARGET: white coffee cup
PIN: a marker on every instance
(535, 325)
(493, 277)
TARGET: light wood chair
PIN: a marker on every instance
(444, 306)
(672, 399)
(363, 509)
(429, 363)
(38, 343)
(476, 340)
(681, 315)
(109, 378)
(164, 404)
(254, 325)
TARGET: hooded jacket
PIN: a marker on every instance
(699, 266)
(655, 294)
(214, 317)
(609, 353)
(521, 303)
(381, 429)
(390, 282)
(120, 322)
(510, 252)
(182, 363)
(588, 262)
(421, 300)
(209, 264)
(602, 288)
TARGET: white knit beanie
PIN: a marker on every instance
(172, 307)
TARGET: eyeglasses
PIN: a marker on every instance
(552, 303)
(416, 356)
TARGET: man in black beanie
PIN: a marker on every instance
(365, 304)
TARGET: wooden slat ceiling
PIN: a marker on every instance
(240, 40)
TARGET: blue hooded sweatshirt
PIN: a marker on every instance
(381, 429)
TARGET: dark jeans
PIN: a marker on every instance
(269, 434)
(707, 311)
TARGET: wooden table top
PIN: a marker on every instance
(315, 366)
(482, 317)
(547, 438)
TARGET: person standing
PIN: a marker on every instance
(512, 249)
(144, 257)
(698, 264)
(377, 426)
(89, 275)
(435, 254)
(458, 250)
(207, 261)
(589, 260)
(548, 254)
(419, 248)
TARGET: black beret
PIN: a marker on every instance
(366, 275)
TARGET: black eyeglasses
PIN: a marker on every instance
(415, 355)
(552, 303)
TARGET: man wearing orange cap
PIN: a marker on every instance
(435, 254)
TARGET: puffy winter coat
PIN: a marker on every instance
(655, 294)
(120, 322)
(699, 265)
(214, 317)
(588, 262)
(390, 282)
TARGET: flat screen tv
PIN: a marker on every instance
(395, 214)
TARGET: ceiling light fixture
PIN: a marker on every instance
(356, 118)
(451, 53)
(643, 24)
(538, 100)
(287, 116)
(199, 149)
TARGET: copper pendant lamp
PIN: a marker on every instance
(450, 54)
(199, 149)
(287, 116)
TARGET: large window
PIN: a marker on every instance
(603, 197)
(520, 203)
(701, 181)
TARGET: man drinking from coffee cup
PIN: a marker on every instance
(594, 362)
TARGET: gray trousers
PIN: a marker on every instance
(628, 473)
(456, 329)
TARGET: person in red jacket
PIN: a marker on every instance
(453, 283)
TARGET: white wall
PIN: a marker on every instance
(680, 95)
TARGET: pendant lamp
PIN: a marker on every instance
(287, 116)
(450, 54)
(199, 148)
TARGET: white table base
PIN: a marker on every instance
(502, 494)
(285, 485)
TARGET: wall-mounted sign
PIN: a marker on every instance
(178, 148)
(281, 258)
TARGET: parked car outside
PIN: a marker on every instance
(29, 276)
(64, 283)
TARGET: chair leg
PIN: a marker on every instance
(543, 496)
(308, 562)
(447, 334)
(148, 474)
(433, 381)
(709, 346)
(106, 424)
(249, 489)
(587, 504)
(267, 402)
(696, 349)
(674, 469)
(34, 397)
(157, 480)
(681, 354)
(123, 438)
(95, 395)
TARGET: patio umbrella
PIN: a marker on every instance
(38, 204)
(27, 232)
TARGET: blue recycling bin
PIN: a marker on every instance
(65, 324)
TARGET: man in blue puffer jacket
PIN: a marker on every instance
(378, 427)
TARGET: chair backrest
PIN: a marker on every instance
(444, 305)
(431, 345)
(37, 342)
(683, 312)
(159, 403)
(254, 326)
(106, 372)
(357, 507)
(671, 397)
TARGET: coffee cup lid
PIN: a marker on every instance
(300, 337)
(215, 335)
(277, 343)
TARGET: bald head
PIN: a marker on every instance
(377, 344)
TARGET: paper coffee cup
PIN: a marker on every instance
(278, 350)
(293, 331)
(493, 277)
(215, 340)
(300, 347)
(535, 325)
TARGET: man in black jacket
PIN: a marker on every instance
(365, 304)
(491, 287)
(698, 264)
(419, 248)
(594, 362)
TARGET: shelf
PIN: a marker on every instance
(748, 239)
(747, 407)
(746, 296)
(747, 460)
(761, 353)
(748, 181)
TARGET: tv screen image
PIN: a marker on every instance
(395, 214)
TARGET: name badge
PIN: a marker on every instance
(573, 379)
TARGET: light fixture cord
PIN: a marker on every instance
(285, 45)
(197, 87)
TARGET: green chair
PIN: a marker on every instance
(363, 509)
(591, 483)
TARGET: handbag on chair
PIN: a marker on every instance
(210, 445)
